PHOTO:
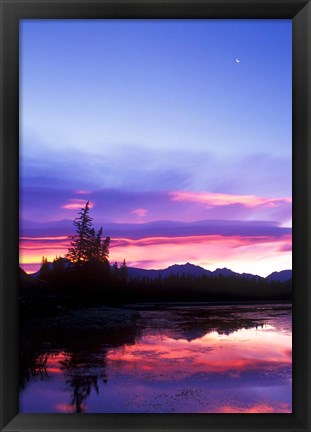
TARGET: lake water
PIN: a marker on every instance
(180, 359)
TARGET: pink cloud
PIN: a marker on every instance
(141, 212)
(48, 238)
(215, 199)
(44, 243)
(232, 241)
(286, 246)
(76, 204)
(82, 192)
(33, 248)
(260, 254)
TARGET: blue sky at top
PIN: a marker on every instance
(143, 91)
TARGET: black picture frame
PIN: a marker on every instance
(11, 12)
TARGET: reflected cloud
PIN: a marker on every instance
(204, 354)
(246, 370)
(281, 407)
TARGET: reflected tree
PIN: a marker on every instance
(82, 373)
(32, 365)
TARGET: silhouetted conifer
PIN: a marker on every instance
(104, 251)
(123, 271)
(80, 244)
(115, 270)
(45, 269)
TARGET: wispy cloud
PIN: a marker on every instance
(77, 204)
(138, 167)
(166, 229)
(82, 192)
(216, 199)
(41, 204)
(140, 212)
(259, 253)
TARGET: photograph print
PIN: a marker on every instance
(155, 216)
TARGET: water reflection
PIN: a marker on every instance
(32, 366)
(81, 374)
(78, 363)
(202, 359)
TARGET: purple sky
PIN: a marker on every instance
(184, 153)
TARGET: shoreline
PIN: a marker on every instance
(102, 318)
(215, 303)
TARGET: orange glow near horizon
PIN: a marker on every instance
(32, 249)
(259, 254)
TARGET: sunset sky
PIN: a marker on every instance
(177, 131)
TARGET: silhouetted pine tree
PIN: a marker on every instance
(115, 270)
(44, 270)
(91, 249)
(59, 264)
(81, 241)
(104, 252)
(98, 244)
(123, 271)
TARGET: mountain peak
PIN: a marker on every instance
(224, 272)
(281, 276)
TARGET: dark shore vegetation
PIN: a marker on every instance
(84, 279)
(90, 287)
